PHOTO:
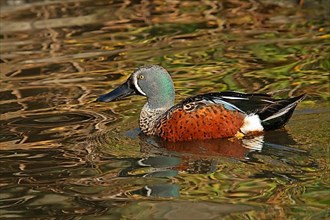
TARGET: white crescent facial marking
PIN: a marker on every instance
(137, 85)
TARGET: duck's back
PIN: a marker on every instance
(220, 115)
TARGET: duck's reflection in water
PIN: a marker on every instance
(167, 159)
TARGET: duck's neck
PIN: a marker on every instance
(157, 104)
(149, 118)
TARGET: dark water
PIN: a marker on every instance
(65, 156)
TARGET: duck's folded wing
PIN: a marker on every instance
(273, 113)
(243, 102)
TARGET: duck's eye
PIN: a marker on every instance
(141, 76)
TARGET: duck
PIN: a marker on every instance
(226, 114)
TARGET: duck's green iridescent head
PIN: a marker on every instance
(152, 81)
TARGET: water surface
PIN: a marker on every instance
(64, 155)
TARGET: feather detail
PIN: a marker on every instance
(277, 114)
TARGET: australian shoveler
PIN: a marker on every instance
(207, 116)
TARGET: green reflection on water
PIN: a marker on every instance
(64, 155)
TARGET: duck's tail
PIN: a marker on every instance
(277, 114)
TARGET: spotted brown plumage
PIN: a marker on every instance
(205, 122)
(200, 117)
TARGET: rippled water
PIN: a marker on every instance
(65, 156)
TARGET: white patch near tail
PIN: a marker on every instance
(251, 123)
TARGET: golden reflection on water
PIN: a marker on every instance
(62, 154)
